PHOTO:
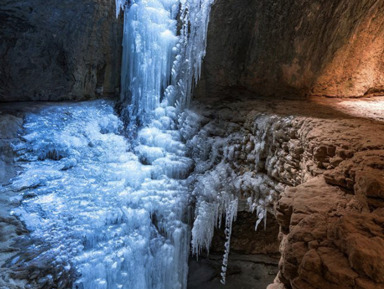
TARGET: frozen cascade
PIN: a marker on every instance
(163, 47)
(109, 213)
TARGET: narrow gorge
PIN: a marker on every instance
(199, 144)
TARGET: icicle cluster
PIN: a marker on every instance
(148, 41)
(119, 6)
(229, 169)
(191, 49)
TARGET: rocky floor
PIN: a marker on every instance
(244, 272)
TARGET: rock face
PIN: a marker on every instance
(59, 50)
(328, 241)
(53, 50)
(328, 167)
(296, 47)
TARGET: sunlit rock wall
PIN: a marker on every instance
(55, 50)
(325, 168)
(296, 48)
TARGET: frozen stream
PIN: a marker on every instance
(112, 210)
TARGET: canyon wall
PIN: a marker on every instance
(295, 48)
(59, 50)
(54, 50)
(318, 167)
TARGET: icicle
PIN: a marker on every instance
(265, 218)
(191, 49)
(203, 228)
(231, 214)
(119, 6)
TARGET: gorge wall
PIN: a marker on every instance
(296, 48)
(56, 50)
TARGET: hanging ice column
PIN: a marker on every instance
(163, 46)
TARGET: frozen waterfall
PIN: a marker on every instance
(163, 47)
(109, 212)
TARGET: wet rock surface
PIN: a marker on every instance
(59, 50)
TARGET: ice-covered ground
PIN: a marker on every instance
(113, 211)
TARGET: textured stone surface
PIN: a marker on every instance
(330, 159)
(56, 50)
(331, 242)
(296, 47)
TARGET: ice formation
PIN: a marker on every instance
(112, 211)
(228, 169)
(94, 203)
(163, 47)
